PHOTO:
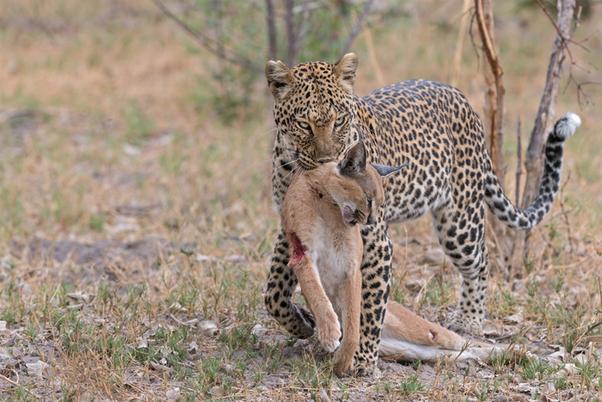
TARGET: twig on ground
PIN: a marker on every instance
(16, 384)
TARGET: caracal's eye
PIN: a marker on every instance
(340, 120)
(303, 125)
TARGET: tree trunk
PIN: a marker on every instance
(494, 97)
(543, 121)
(357, 26)
(272, 32)
(494, 114)
(289, 22)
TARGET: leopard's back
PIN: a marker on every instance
(433, 127)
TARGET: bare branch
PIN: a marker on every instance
(543, 120)
(207, 42)
(545, 113)
(485, 33)
(565, 41)
(475, 48)
(289, 6)
(559, 32)
(495, 91)
(357, 26)
(494, 112)
(581, 95)
(272, 31)
(301, 29)
(462, 31)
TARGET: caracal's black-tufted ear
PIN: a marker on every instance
(279, 78)
(354, 162)
(345, 71)
(385, 170)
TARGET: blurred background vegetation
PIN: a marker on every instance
(193, 71)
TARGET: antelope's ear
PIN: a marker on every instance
(345, 71)
(279, 78)
(354, 162)
(385, 170)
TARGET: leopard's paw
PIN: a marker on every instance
(366, 369)
(465, 323)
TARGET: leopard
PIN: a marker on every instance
(431, 127)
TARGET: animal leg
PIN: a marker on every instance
(375, 270)
(279, 291)
(349, 296)
(327, 322)
(461, 234)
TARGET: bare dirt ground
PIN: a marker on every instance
(136, 227)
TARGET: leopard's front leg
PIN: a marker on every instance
(376, 268)
(279, 291)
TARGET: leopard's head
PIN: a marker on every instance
(314, 109)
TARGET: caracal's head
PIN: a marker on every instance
(367, 176)
(354, 185)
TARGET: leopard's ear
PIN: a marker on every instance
(345, 71)
(354, 162)
(279, 78)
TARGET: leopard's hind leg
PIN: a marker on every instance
(461, 233)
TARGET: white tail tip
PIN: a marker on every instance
(568, 124)
(573, 119)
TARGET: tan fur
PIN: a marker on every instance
(327, 322)
(312, 215)
(408, 326)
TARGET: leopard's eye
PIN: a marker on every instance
(304, 125)
(340, 120)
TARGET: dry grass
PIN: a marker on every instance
(131, 219)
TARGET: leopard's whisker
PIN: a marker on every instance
(289, 174)
(289, 163)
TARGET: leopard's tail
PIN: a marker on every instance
(527, 218)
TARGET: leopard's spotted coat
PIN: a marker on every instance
(432, 127)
